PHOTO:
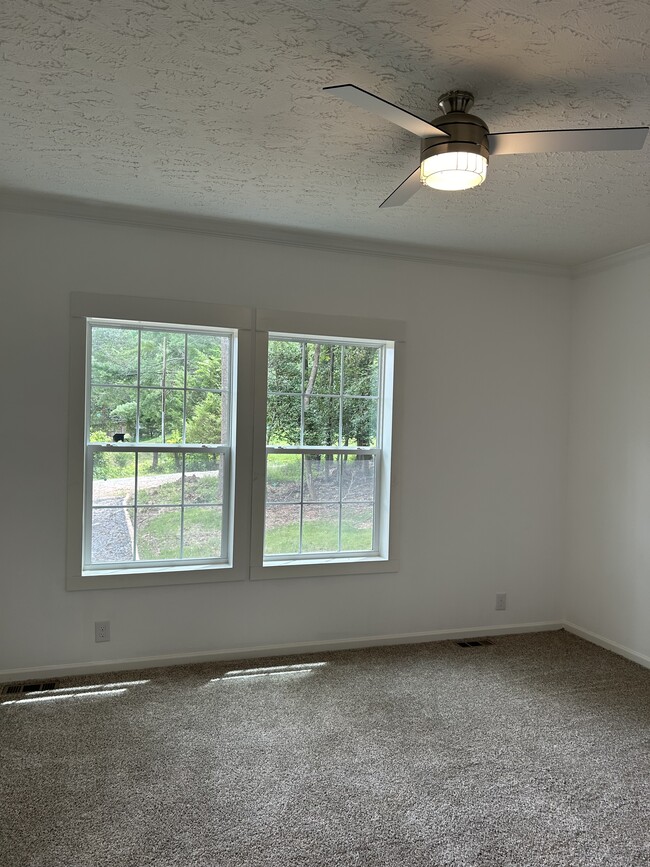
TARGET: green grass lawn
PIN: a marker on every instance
(321, 535)
(198, 489)
(159, 529)
(159, 533)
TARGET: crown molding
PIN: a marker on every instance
(614, 260)
(17, 201)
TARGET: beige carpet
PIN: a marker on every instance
(532, 751)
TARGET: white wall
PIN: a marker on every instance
(484, 444)
(608, 590)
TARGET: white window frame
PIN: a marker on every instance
(385, 557)
(136, 448)
(162, 313)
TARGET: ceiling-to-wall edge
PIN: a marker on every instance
(614, 260)
(82, 209)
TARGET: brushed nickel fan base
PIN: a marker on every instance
(463, 131)
(456, 100)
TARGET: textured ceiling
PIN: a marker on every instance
(216, 108)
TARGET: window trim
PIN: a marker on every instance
(248, 436)
(85, 306)
(352, 328)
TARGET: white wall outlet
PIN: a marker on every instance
(501, 602)
(102, 630)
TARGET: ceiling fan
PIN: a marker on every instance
(455, 148)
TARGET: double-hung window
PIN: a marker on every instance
(324, 440)
(324, 468)
(158, 453)
(159, 448)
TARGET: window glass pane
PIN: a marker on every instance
(322, 368)
(359, 421)
(158, 533)
(173, 416)
(358, 482)
(282, 530)
(283, 474)
(356, 527)
(162, 359)
(285, 358)
(112, 535)
(159, 478)
(321, 421)
(203, 479)
(320, 530)
(151, 403)
(283, 420)
(112, 411)
(114, 358)
(113, 478)
(207, 361)
(201, 532)
(207, 418)
(361, 370)
(321, 478)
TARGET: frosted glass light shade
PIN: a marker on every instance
(457, 170)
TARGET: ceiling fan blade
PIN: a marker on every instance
(404, 192)
(558, 140)
(393, 113)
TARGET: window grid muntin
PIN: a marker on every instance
(189, 388)
(341, 377)
(340, 450)
(184, 431)
(302, 504)
(290, 393)
(137, 448)
(183, 470)
(136, 523)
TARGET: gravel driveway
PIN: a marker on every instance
(112, 534)
(112, 539)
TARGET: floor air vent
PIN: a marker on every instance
(473, 642)
(11, 690)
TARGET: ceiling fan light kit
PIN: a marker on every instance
(458, 160)
(455, 148)
(453, 170)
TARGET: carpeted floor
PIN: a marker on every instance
(532, 751)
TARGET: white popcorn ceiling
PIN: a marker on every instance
(216, 108)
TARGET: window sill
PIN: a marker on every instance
(109, 579)
(156, 570)
(326, 568)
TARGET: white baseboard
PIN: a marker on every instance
(74, 668)
(621, 649)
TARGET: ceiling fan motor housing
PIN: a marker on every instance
(467, 133)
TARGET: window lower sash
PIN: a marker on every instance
(328, 556)
(135, 564)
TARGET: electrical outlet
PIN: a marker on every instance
(501, 602)
(102, 630)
